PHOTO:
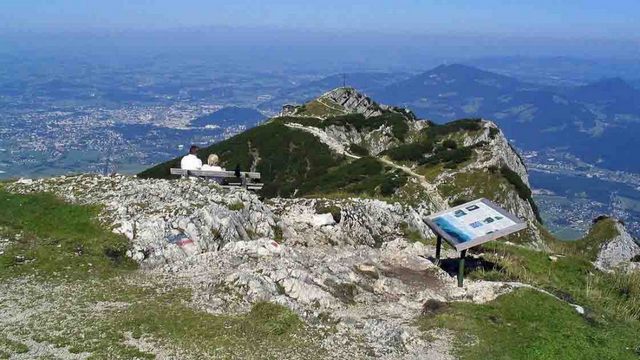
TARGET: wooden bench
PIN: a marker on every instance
(248, 180)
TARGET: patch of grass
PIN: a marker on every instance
(57, 238)
(236, 206)
(266, 323)
(527, 324)
(571, 277)
(493, 132)
(358, 150)
(414, 235)
(366, 175)
(278, 236)
(436, 131)
(409, 152)
(9, 346)
(603, 230)
(475, 184)
(450, 158)
(160, 315)
(323, 108)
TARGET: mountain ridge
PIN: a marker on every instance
(355, 146)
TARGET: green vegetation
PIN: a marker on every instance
(266, 323)
(603, 229)
(286, 158)
(409, 152)
(237, 206)
(8, 346)
(364, 176)
(493, 132)
(435, 131)
(451, 158)
(320, 108)
(414, 235)
(523, 190)
(449, 144)
(571, 276)
(323, 207)
(56, 238)
(358, 150)
(505, 327)
(159, 314)
(527, 324)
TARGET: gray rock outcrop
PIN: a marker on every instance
(618, 252)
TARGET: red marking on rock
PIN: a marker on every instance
(184, 242)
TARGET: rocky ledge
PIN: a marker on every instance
(341, 263)
(349, 265)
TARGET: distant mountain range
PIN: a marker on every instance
(598, 122)
(363, 81)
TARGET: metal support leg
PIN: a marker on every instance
(463, 254)
(438, 247)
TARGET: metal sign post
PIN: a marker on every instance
(471, 224)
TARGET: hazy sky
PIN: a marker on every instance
(556, 18)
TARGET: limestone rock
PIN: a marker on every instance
(617, 252)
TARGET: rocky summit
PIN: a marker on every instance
(331, 259)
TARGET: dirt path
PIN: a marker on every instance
(437, 200)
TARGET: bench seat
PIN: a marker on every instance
(248, 179)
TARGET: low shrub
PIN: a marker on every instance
(409, 152)
(358, 150)
(524, 192)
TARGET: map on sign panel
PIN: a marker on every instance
(474, 223)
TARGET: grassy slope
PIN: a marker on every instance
(56, 236)
(310, 167)
(288, 157)
(529, 324)
(71, 282)
(365, 176)
(291, 159)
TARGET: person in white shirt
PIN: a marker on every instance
(212, 163)
(191, 161)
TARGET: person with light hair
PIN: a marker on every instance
(212, 163)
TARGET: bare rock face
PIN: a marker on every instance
(168, 221)
(352, 221)
(353, 101)
(618, 252)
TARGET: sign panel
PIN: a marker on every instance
(474, 223)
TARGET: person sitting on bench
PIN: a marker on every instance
(212, 163)
(191, 161)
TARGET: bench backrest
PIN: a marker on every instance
(215, 174)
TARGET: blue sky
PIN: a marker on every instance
(554, 18)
